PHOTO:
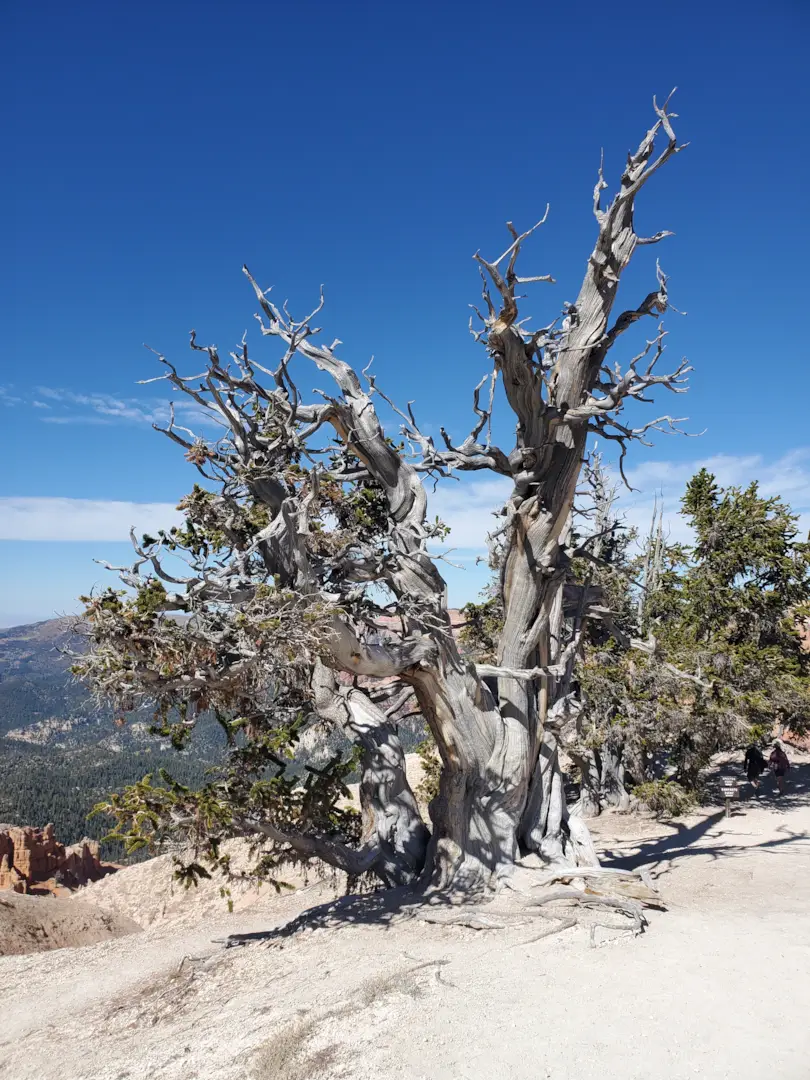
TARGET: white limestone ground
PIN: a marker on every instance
(718, 987)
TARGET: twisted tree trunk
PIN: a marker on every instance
(501, 788)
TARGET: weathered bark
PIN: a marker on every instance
(551, 438)
(501, 785)
(476, 814)
(544, 818)
(612, 789)
(590, 772)
(559, 836)
(391, 819)
(392, 825)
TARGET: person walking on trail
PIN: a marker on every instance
(778, 761)
(754, 765)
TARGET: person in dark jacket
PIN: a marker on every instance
(754, 765)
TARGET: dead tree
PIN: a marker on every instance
(308, 514)
(653, 562)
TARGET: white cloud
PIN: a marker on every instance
(104, 404)
(788, 477)
(96, 408)
(36, 518)
(75, 419)
(467, 507)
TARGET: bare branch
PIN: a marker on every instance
(654, 303)
(617, 386)
(530, 674)
(354, 862)
(505, 283)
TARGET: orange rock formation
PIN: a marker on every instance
(33, 861)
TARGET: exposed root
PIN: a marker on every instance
(625, 893)
(562, 924)
(626, 899)
(626, 889)
(473, 920)
(577, 897)
(601, 880)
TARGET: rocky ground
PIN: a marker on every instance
(718, 986)
(30, 924)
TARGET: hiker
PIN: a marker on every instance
(778, 761)
(754, 765)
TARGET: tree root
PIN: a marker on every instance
(597, 880)
(566, 923)
(625, 893)
(472, 920)
(577, 897)
(497, 917)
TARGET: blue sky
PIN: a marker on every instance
(153, 149)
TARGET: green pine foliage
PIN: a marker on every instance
(725, 617)
(727, 666)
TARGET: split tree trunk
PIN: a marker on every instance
(394, 837)
(391, 818)
(589, 765)
(476, 813)
(613, 791)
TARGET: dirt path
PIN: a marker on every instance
(719, 987)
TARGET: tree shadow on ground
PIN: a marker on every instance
(365, 909)
(686, 839)
(684, 842)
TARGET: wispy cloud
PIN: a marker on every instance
(104, 405)
(467, 507)
(76, 419)
(787, 476)
(130, 409)
(81, 408)
(35, 518)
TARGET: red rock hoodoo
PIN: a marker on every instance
(33, 861)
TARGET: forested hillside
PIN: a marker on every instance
(59, 752)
